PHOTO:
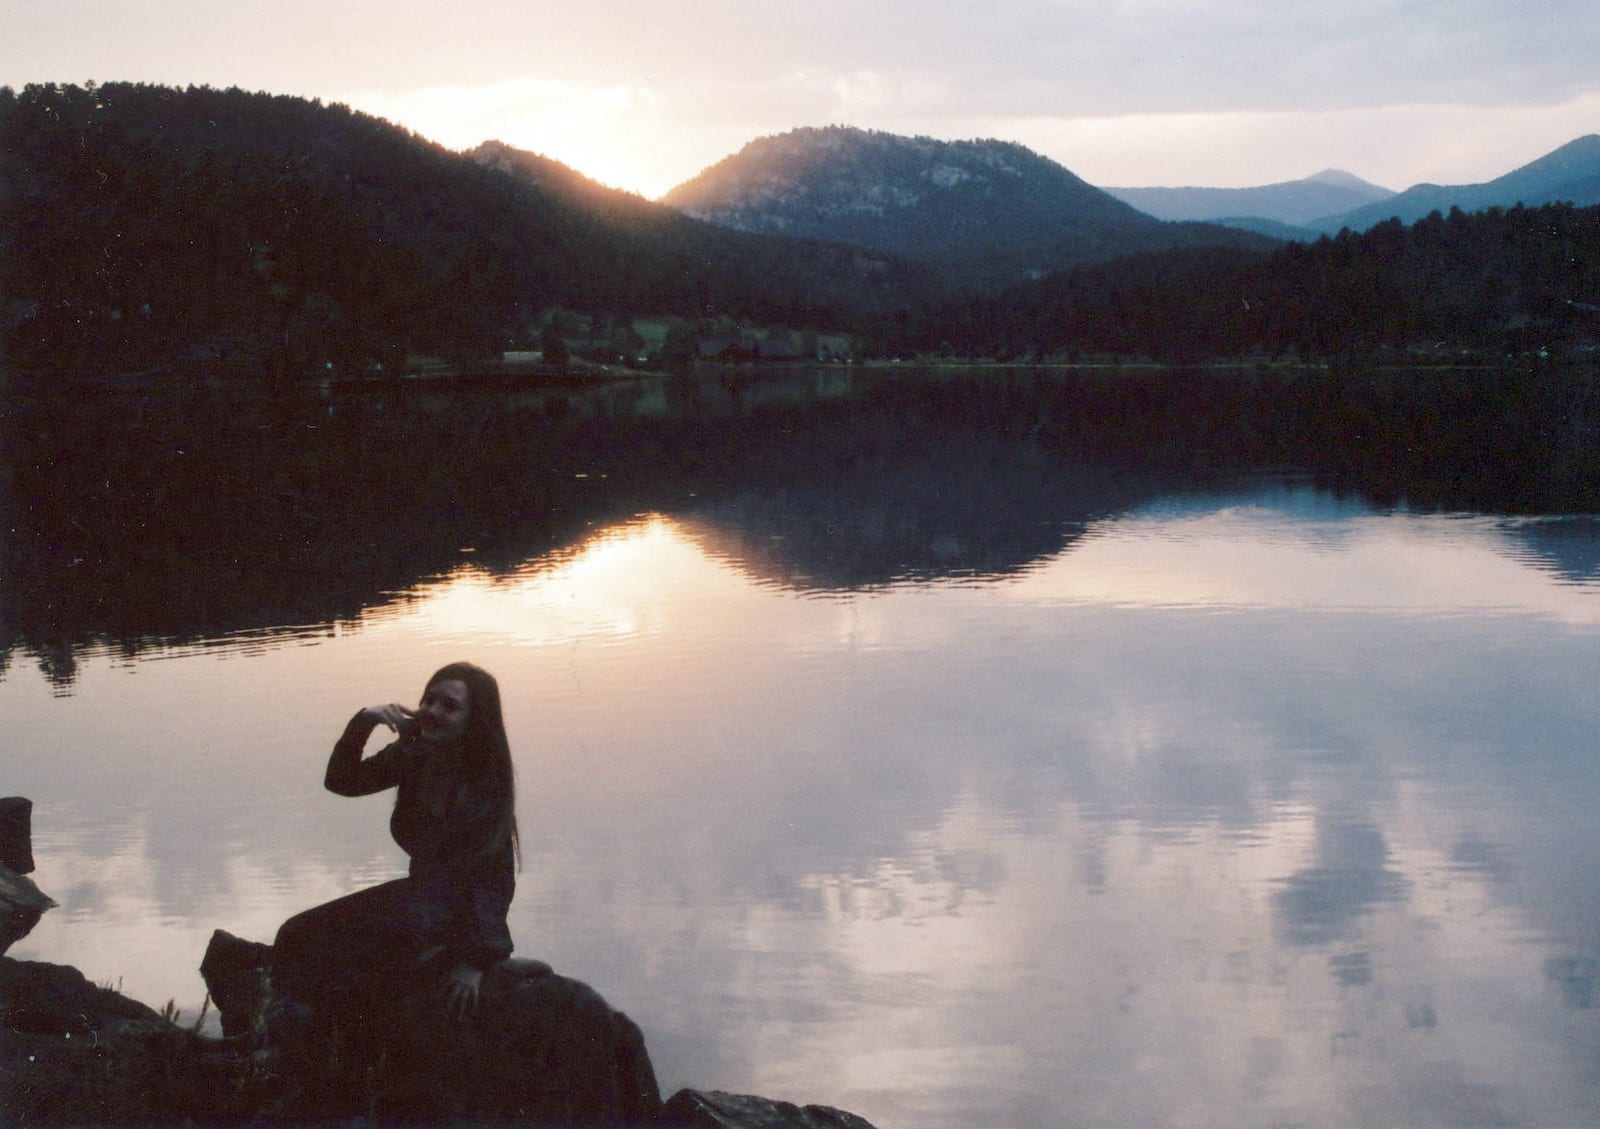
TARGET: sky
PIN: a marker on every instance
(644, 94)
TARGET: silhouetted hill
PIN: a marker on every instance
(1570, 174)
(829, 272)
(144, 221)
(988, 213)
(1488, 285)
(1294, 202)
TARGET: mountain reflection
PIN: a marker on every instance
(244, 524)
(1567, 547)
(1250, 805)
(240, 521)
(953, 508)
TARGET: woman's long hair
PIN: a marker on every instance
(487, 766)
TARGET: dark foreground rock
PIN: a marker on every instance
(714, 1109)
(72, 1053)
(541, 1049)
(16, 834)
(21, 902)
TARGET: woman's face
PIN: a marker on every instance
(442, 717)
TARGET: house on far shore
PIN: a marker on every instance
(725, 350)
(734, 350)
(780, 350)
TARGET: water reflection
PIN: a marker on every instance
(197, 523)
(943, 853)
(1349, 877)
(1243, 805)
(1568, 547)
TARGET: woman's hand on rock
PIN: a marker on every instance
(392, 714)
(461, 986)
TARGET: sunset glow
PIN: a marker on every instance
(1204, 93)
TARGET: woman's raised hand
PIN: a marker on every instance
(392, 714)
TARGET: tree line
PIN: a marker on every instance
(147, 226)
(143, 220)
(1448, 287)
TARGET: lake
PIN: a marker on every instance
(905, 766)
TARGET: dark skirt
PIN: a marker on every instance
(359, 945)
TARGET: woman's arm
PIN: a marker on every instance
(487, 939)
(473, 934)
(473, 905)
(487, 935)
(347, 773)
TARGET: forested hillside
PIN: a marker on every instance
(1488, 283)
(144, 222)
(148, 229)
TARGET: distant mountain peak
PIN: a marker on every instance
(1568, 174)
(1293, 202)
(1341, 179)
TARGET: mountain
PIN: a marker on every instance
(1295, 202)
(1491, 285)
(987, 213)
(565, 182)
(141, 223)
(1570, 174)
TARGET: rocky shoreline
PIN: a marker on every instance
(542, 1049)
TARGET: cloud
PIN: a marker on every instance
(1396, 146)
(1130, 92)
(1147, 56)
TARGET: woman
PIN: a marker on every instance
(454, 814)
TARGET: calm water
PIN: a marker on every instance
(1231, 806)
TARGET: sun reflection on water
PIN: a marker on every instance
(1244, 810)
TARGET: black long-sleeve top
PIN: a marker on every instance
(444, 828)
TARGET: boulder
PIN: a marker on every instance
(540, 1048)
(543, 1050)
(21, 905)
(21, 902)
(72, 1053)
(235, 974)
(714, 1109)
(16, 834)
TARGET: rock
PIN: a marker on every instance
(235, 972)
(714, 1109)
(541, 1048)
(21, 902)
(16, 834)
(75, 1054)
(21, 906)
